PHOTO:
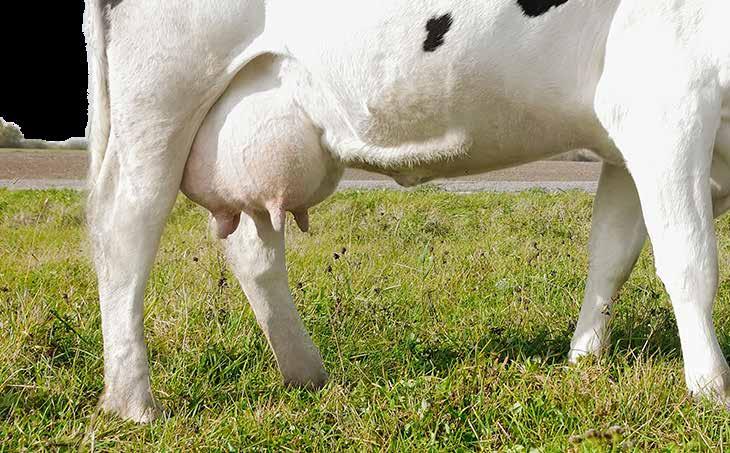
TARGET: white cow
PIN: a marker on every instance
(415, 89)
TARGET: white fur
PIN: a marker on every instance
(644, 84)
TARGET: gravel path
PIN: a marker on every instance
(24, 169)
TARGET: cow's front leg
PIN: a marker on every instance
(128, 205)
(677, 207)
(666, 133)
(617, 235)
(256, 254)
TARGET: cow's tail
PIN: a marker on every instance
(98, 127)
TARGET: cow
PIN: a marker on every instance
(417, 90)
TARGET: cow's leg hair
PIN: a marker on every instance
(617, 236)
(255, 251)
(128, 205)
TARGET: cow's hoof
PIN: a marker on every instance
(144, 409)
(714, 387)
(313, 379)
(576, 354)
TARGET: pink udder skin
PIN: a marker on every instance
(226, 224)
(258, 154)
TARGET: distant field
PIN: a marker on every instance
(444, 321)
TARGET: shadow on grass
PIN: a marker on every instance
(635, 334)
(439, 355)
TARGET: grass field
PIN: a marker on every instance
(444, 321)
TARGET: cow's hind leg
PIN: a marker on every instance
(256, 253)
(128, 206)
(152, 87)
(617, 235)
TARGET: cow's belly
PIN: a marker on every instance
(436, 88)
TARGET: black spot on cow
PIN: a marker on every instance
(437, 27)
(535, 8)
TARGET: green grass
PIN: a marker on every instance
(445, 326)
